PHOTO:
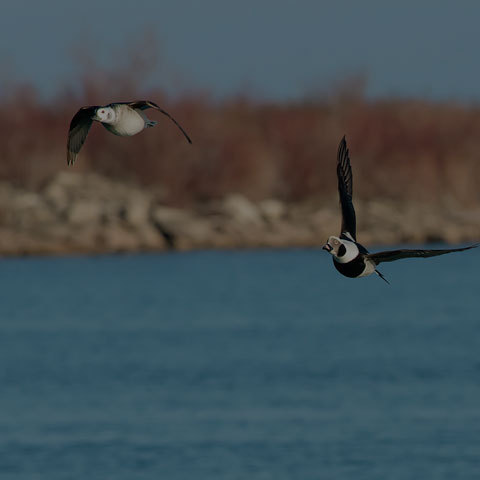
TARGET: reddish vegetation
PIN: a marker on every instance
(401, 149)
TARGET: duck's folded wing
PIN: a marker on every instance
(144, 104)
(345, 190)
(392, 255)
(79, 127)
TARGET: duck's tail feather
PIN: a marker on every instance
(381, 276)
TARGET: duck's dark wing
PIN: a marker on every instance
(79, 127)
(345, 190)
(392, 255)
(144, 104)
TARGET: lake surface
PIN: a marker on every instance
(238, 365)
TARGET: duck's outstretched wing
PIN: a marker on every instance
(144, 104)
(345, 190)
(79, 127)
(392, 255)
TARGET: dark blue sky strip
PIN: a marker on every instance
(272, 49)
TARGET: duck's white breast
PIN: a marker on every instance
(128, 122)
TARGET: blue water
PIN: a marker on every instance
(238, 365)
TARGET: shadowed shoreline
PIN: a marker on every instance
(87, 213)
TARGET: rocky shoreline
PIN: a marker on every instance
(88, 214)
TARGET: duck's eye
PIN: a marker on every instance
(102, 111)
(342, 251)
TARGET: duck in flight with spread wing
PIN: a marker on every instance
(349, 257)
(124, 119)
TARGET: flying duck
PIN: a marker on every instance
(124, 119)
(349, 257)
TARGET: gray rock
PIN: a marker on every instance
(26, 210)
(182, 228)
(241, 210)
(272, 210)
(137, 209)
(85, 212)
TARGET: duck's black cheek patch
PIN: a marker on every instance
(342, 251)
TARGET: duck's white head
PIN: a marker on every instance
(104, 115)
(343, 251)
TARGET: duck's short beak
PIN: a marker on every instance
(327, 247)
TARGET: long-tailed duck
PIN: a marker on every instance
(349, 257)
(124, 119)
